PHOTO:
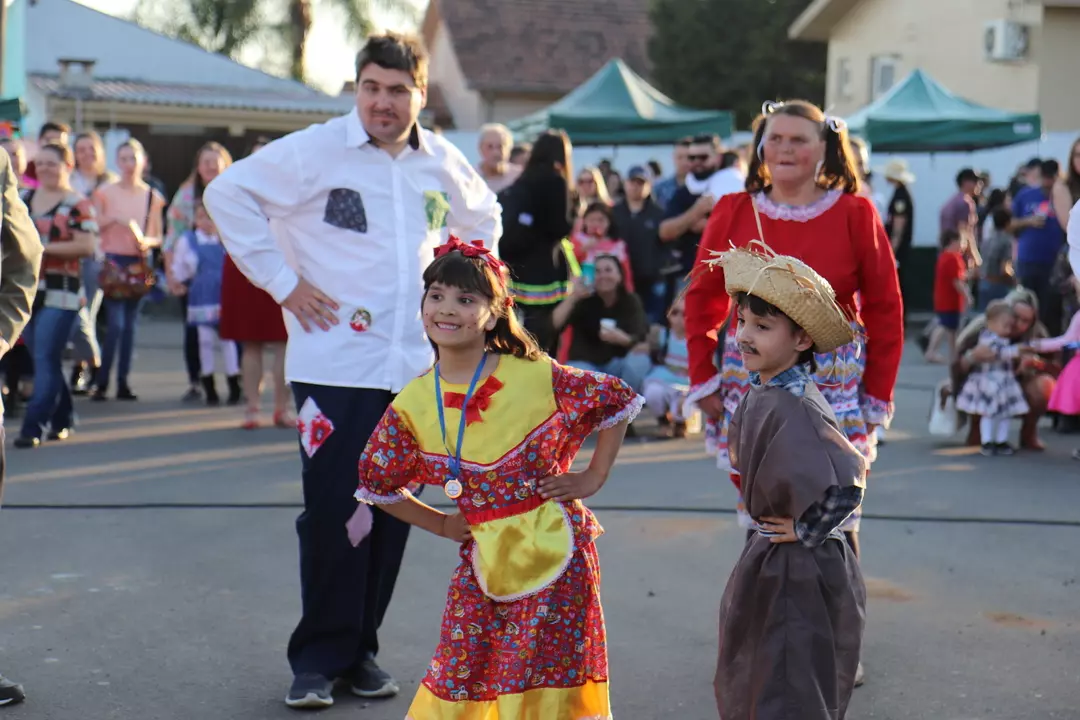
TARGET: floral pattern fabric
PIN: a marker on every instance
(60, 285)
(555, 638)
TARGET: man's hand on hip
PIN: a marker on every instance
(311, 306)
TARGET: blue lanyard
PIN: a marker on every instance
(455, 458)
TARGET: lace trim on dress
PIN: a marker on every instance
(796, 213)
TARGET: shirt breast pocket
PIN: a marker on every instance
(345, 210)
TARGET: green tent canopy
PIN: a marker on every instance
(919, 115)
(617, 107)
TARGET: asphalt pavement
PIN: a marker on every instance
(149, 570)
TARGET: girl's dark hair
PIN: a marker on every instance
(258, 143)
(839, 170)
(550, 149)
(63, 152)
(948, 237)
(473, 275)
(1001, 217)
(995, 199)
(760, 307)
(195, 178)
(1072, 177)
(602, 208)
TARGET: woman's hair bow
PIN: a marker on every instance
(474, 249)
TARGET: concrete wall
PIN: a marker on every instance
(946, 40)
(1059, 101)
(465, 104)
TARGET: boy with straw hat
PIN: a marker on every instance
(791, 620)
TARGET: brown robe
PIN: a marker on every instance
(791, 620)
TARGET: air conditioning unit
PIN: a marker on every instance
(1005, 41)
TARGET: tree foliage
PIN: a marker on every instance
(281, 28)
(733, 54)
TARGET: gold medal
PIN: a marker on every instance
(452, 488)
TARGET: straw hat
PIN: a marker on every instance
(793, 287)
(897, 170)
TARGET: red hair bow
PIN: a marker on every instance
(474, 249)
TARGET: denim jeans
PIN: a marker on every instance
(84, 334)
(47, 336)
(990, 291)
(631, 369)
(121, 316)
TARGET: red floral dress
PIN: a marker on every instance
(540, 649)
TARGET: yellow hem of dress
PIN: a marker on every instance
(584, 702)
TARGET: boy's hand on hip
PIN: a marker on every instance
(455, 527)
(571, 486)
(311, 306)
(783, 527)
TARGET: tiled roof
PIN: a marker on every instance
(297, 98)
(541, 46)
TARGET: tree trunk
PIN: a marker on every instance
(300, 20)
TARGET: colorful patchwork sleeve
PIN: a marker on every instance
(593, 401)
(389, 466)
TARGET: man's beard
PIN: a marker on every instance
(704, 174)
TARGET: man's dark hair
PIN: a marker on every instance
(395, 51)
(966, 175)
(707, 139)
(655, 168)
(763, 308)
(1049, 169)
(685, 142)
(53, 126)
(1033, 163)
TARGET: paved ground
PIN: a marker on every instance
(138, 609)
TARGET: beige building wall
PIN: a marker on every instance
(945, 39)
(508, 107)
(464, 104)
(1059, 60)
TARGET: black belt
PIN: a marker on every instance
(67, 283)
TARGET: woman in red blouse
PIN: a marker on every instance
(805, 188)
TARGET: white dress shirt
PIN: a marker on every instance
(720, 183)
(277, 217)
(1072, 234)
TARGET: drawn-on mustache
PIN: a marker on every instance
(747, 349)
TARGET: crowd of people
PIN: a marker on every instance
(111, 242)
(756, 287)
(1005, 302)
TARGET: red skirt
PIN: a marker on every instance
(248, 314)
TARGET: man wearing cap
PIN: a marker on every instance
(638, 218)
(900, 215)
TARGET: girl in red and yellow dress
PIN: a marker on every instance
(803, 197)
(497, 424)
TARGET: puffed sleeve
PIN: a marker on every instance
(593, 401)
(707, 301)
(390, 465)
(882, 310)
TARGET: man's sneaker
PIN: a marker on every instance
(989, 449)
(371, 681)
(10, 693)
(860, 675)
(311, 691)
(1004, 449)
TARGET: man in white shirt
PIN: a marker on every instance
(338, 222)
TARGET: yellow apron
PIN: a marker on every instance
(522, 552)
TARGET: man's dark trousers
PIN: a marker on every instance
(345, 590)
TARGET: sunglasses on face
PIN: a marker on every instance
(697, 158)
(585, 181)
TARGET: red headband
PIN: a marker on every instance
(475, 249)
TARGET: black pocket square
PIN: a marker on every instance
(345, 210)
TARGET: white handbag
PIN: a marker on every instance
(944, 420)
